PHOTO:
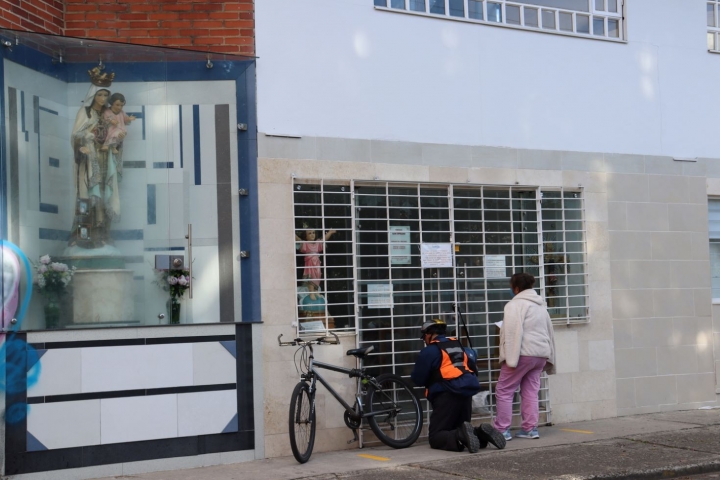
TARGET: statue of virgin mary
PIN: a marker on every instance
(97, 173)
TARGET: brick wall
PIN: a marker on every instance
(45, 16)
(221, 26)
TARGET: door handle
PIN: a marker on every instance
(190, 259)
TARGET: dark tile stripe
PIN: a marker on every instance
(224, 213)
(181, 136)
(144, 392)
(163, 164)
(196, 144)
(134, 164)
(131, 341)
(151, 204)
(244, 369)
(53, 234)
(14, 167)
(48, 208)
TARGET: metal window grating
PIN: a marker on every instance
(602, 19)
(494, 232)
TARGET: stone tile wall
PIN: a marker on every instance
(648, 346)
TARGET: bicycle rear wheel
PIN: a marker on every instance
(400, 418)
(302, 422)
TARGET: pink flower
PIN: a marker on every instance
(172, 280)
(42, 269)
(45, 259)
(59, 267)
(182, 280)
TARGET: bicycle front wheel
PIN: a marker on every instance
(396, 413)
(302, 422)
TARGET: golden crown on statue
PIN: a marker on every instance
(97, 77)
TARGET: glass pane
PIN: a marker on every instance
(381, 3)
(710, 14)
(613, 28)
(548, 19)
(599, 26)
(417, 5)
(612, 6)
(531, 17)
(457, 8)
(512, 14)
(494, 12)
(399, 4)
(575, 5)
(566, 24)
(475, 9)
(711, 41)
(437, 7)
(105, 211)
(582, 24)
(600, 5)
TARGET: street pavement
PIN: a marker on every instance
(661, 445)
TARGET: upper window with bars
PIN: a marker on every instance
(588, 18)
(713, 24)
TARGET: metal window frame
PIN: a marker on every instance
(714, 31)
(592, 13)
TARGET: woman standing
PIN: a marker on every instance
(527, 347)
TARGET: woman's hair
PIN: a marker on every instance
(522, 281)
(115, 97)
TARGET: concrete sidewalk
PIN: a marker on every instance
(660, 445)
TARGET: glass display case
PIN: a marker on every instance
(120, 171)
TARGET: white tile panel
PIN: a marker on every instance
(205, 305)
(212, 364)
(204, 413)
(60, 373)
(203, 211)
(137, 366)
(133, 419)
(65, 424)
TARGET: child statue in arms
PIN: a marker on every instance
(116, 120)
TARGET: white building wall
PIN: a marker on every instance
(340, 68)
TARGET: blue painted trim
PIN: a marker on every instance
(3, 156)
(163, 164)
(247, 178)
(230, 346)
(54, 162)
(35, 445)
(196, 144)
(32, 360)
(181, 136)
(164, 249)
(36, 129)
(53, 234)
(127, 234)
(151, 204)
(232, 425)
(48, 208)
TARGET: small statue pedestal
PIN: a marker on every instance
(103, 296)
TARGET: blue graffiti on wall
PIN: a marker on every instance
(20, 360)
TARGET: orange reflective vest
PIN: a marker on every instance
(454, 362)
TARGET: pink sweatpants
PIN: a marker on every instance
(526, 376)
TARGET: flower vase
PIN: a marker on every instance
(52, 315)
(173, 307)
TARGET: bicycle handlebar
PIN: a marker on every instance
(315, 341)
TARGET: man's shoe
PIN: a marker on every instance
(507, 435)
(531, 434)
(467, 437)
(487, 433)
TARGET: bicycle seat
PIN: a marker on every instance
(360, 352)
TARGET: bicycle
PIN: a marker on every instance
(392, 409)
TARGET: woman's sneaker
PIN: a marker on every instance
(531, 434)
(506, 434)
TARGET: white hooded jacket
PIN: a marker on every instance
(527, 330)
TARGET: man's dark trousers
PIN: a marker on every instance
(450, 410)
